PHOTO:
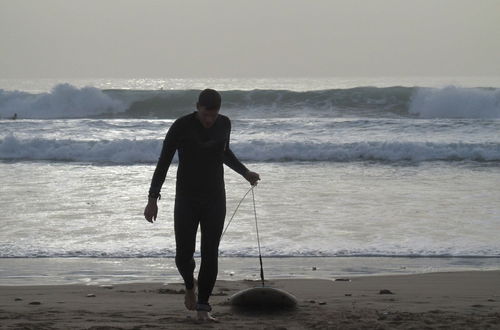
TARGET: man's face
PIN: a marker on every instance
(207, 117)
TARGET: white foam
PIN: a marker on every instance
(63, 101)
(383, 151)
(130, 151)
(117, 151)
(455, 102)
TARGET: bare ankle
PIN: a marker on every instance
(206, 316)
(190, 298)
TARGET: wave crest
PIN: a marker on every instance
(63, 101)
(455, 102)
(127, 151)
(66, 101)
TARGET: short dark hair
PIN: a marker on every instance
(210, 99)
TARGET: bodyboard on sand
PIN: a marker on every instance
(264, 297)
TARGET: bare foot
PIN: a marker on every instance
(190, 297)
(206, 317)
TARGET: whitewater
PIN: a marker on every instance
(351, 173)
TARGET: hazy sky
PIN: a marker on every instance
(232, 38)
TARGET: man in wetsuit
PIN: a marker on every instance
(202, 141)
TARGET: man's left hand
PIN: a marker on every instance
(252, 177)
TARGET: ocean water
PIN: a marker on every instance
(359, 176)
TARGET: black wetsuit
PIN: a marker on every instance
(200, 193)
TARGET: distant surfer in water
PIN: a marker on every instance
(202, 141)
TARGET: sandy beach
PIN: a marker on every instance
(455, 300)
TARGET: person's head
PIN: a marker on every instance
(208, 106)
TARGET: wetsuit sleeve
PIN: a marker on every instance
(170, 145)
(230, 158)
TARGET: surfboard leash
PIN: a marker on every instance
(236, 209)
(256, 227)
(258, 239)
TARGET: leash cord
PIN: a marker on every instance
(237, 207)
(258, 239)
(256, 227)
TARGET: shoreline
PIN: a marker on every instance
(458, 300)
(82, 270)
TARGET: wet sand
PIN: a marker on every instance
(455, 300)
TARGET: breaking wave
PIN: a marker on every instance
(63, 101)
(453, 102)
(67, 101)
(128, 151)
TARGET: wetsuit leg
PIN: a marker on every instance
(186, 219)
(212, 224)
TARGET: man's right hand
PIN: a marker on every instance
(151, 210)
(252, 177)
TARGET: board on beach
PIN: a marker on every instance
(263, 297)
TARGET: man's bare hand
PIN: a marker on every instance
(252, 177)
(151, 211)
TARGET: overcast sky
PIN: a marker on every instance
(231, 38)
